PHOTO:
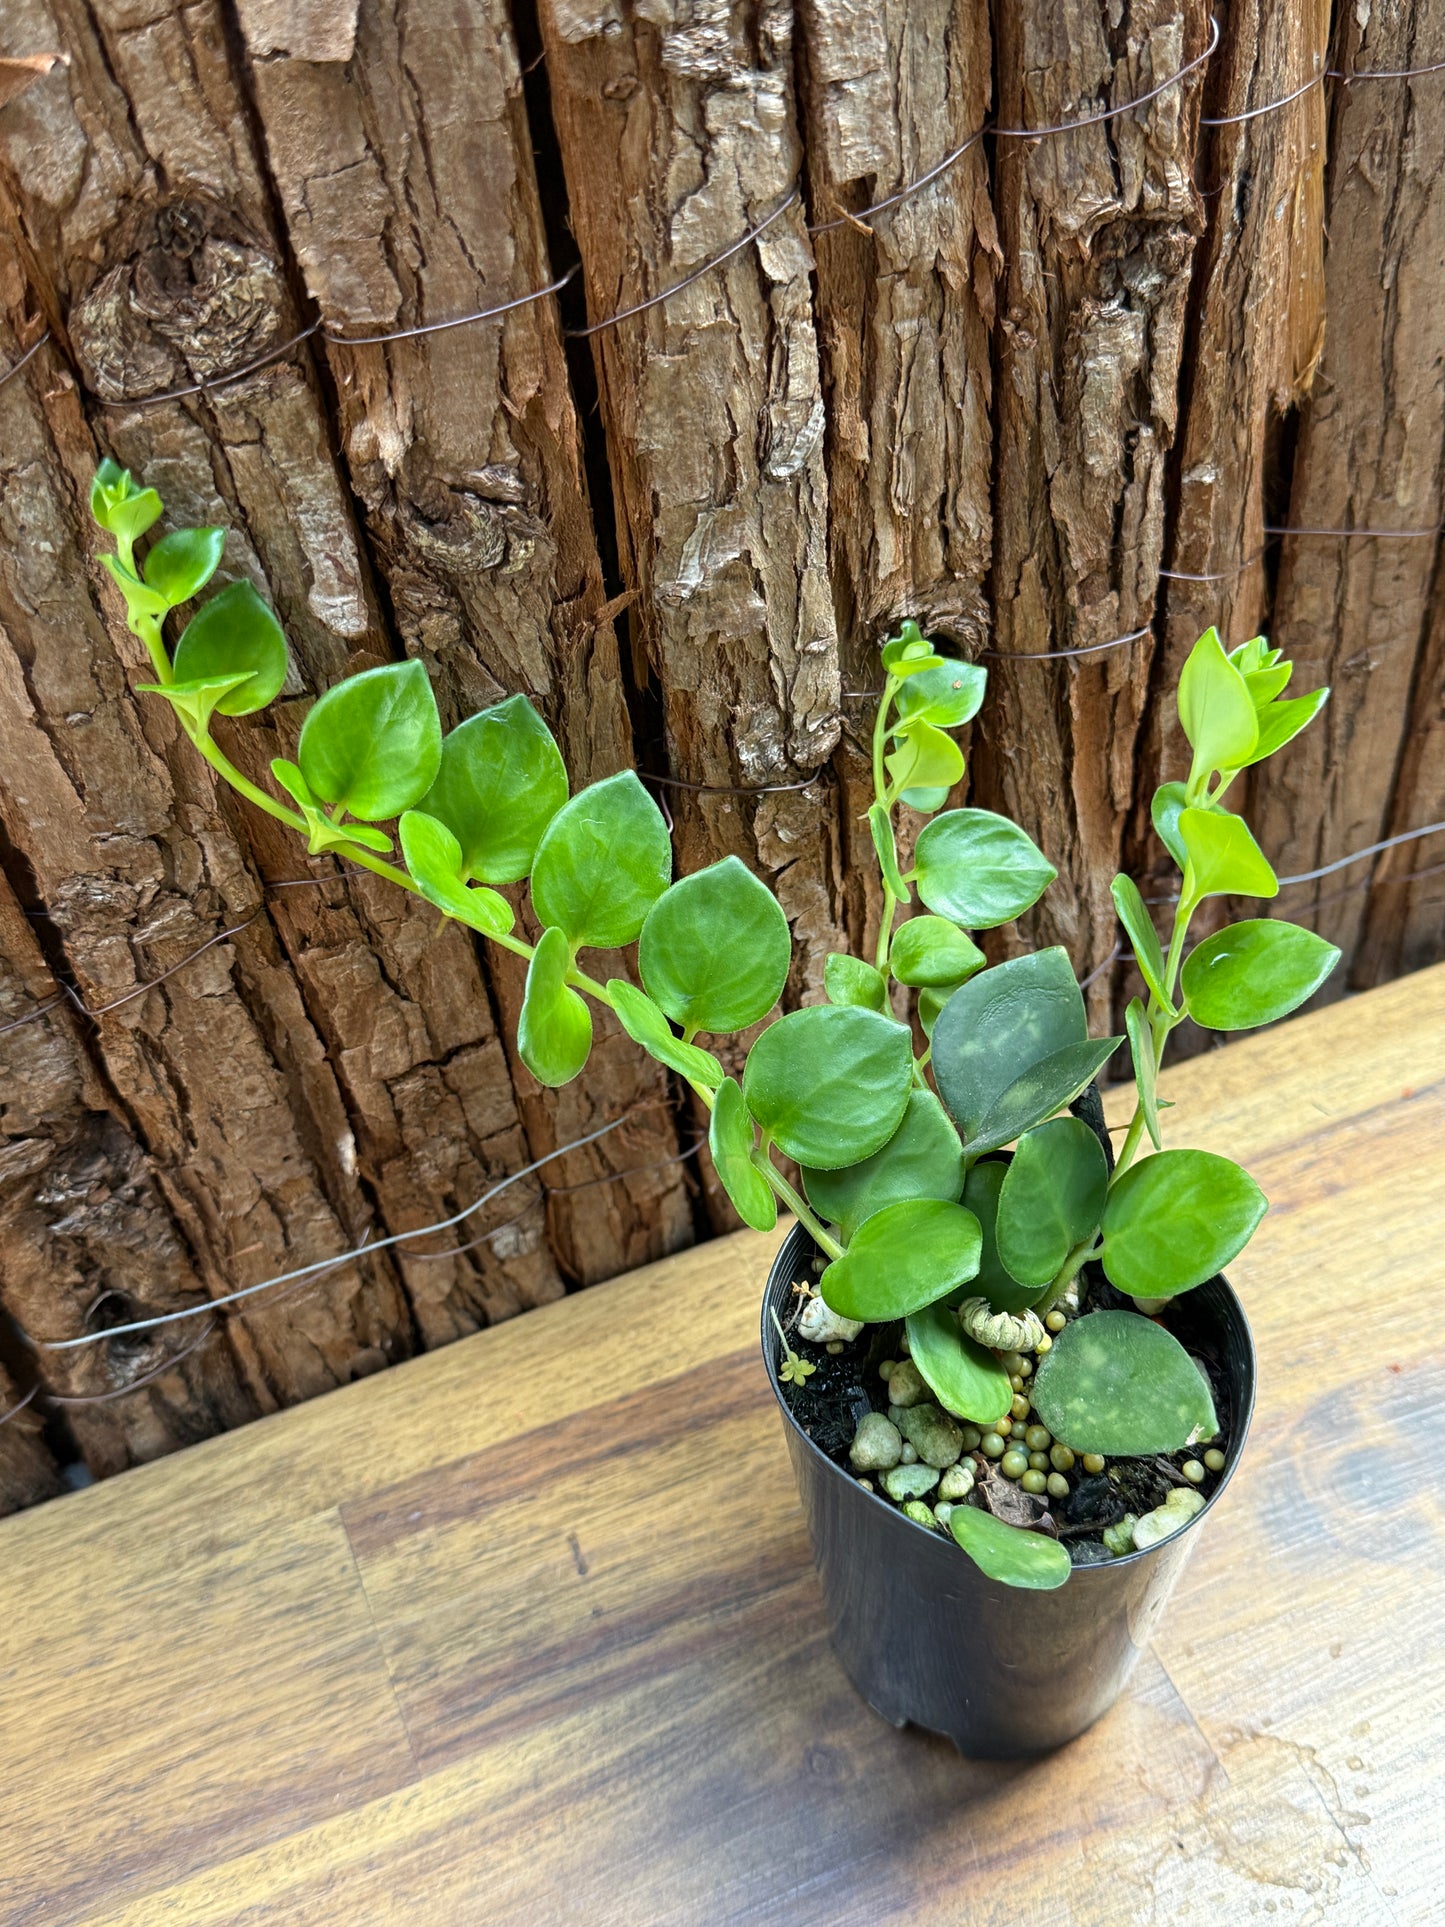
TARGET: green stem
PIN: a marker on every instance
(1162, 1021)
(149, 631)
(1068, 1271)
(796, 1204)
(881, 795)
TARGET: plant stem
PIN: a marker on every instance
(149, 631)
(796, 1204)
(1161, 1022)
(881, 795)
(1067, 1273)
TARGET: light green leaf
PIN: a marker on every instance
(981, 1192)
(999, 1024)
(1252, 973)
(1013, 1555)
(197, 699)
(931, 952)
(880, 826)
(715, 949)
(907, 654)
(1176, 1219)
(434, 858)
(946, 696)
(645, 1024)
(235, 634)
(322, 834)
(554, 1031)
(1170, 799)
(730, 1139)
(1141, 1049)
(1216, 710)
(1282, 722)
(1052, 1198)
(140, 599)
(930, 1004)
(1042, 1089)
(963, 1376)
(183, 562)
(922, 1159)
(924, 801)
(1139, 925)
(603, 861)
(904, 1257)
(1224, 859)
(848, 980)
(924, 759)
(1264, 685)
(500, 782)
(1120, 1385)
(374, 742)
(119, 506)
(978, 869)
(829, 1084)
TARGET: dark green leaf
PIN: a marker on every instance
(848, 980)
(1003, 1021)
(947, 696)
(966, 1379)
(829, 1084)
(374, 742)
(1139, 925)
(1282, 722)
(603, 862)
(1251, 973)
(434, 858)
(922, 1159)
(1013, 1555)
(1044, 1088)
(978, 869)
(183, 562)
(234, 633)
(554, 1032)
(1052, 1198)
(645, 1024)
(1141, 1049)
(1224, 859)
(500, 783)
(1176, 1219)
(1216, 710)
(981, 1195)
(1169, 801)
(715, 949)
(730, 1139)
(1120, 1385)
(931, 952)
(904, 1257)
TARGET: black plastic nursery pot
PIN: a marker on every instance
(928, 1639)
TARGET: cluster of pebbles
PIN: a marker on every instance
(927, 1462)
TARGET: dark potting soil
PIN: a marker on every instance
(845, 1386)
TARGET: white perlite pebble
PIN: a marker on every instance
(1177, 1510)
(820, 1326)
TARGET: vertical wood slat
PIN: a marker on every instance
(1099, 228)
(678, 134)
(399, 142)
(1371, 454)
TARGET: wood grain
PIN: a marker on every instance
(527, 1629)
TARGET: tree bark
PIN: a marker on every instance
(399, 142)
(28, 1472)
(678, 134)
(1371, 454)
(1099, 228)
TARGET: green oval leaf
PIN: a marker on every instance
(434, 858)
(1139, 926)
(908, 654)
(924, 758)
(715, 949)
(1013, 1555)
(880, 828)
(1141, 1049)
(981, 1192)
(946, 696)
(978, 869)
(645, 1024)
(931, 952)
(1165, 810)
(904, 1257)
(1052, 1198)
(183, 562)
(322, 834)
(235, 634)
(848, 980)
(1003, 1021)
(603, 861)
(500, 782)
(922, 1159)
(730, 1140)
(374, 742)
(1044, 1088)
(829, 1084)
(1280, 723)
(1120, 1385)
(1224, 859)
(963, 1376)
(1176, 1219)
(1252, 973)
(198, 699)
(554, 1031)
(1216, 710)
(118, 505)
(140, 600)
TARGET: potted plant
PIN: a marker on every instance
(1011, 1372)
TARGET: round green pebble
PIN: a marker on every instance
(1020, 1406)
(1061, 1458)
(1033, 1482)
(1045, 1344)
(916, 1510)
(1193, 1471)
(1214, 1459)
(1093, 1461)
(992, 1446)
(1014, 1463)
(1038, 1461)
(972, 1438)
(1057, 1486)
(887, 1369)
(1056, 1321)
(1038, 1438)
(1013, 1362)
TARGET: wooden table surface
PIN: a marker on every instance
(527, 1630)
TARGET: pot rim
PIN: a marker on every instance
(1242, 1422)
